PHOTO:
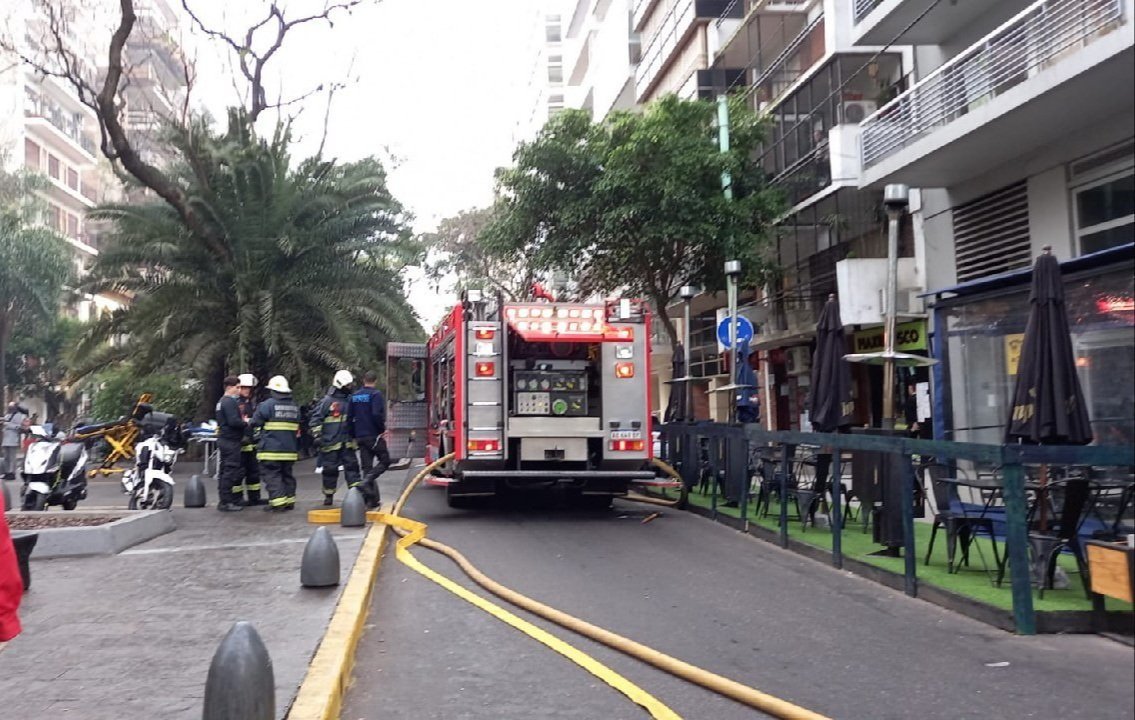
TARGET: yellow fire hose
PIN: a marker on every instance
(413, 533)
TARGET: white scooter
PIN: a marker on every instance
(55, 471)
(150, 482)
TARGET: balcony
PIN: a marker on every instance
(1058, 67)
(884, 22)
(673, 33)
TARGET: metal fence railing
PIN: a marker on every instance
(1025, 45)
(863, 8)
(722, 455)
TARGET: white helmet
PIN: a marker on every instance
(279, 384)
(343, 379)
(246, 380)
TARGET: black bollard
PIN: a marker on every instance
(241, 684)
(354, 510)
(320, 565)
(7, 495)
(195, 492)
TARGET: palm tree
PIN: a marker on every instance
(305, 281)
(34, 263)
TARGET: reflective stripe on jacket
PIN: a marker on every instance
(278, 419)
(332, 422)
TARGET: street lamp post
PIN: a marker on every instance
(687, 293)
(732, 274)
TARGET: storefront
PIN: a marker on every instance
(912, 384)
(981, 325)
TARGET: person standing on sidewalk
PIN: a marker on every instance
(277, 419)
(368, 409)
(332, 426)
(250, 467)
(231, 427)
(10, 439)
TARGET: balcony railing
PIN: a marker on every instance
(663, 44)
(863, 8)
(1041, 35)
(807, 176)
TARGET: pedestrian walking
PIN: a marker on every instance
(231, 427)
(368, 410)
(248, 491)
(277, 420)
(332, 427)
(14, 421)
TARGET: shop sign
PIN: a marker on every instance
(909, 337)
(1013, 345)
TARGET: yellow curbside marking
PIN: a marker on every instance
(416, 531)
(320, 696)
(323, 517)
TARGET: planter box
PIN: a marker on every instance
(131, 527)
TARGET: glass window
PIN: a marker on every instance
(555, 73)
(552, 33)
(31, 154)
(1105, 213)
(53, 166)
(72, 179)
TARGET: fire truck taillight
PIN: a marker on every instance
(483, 445)
(486, 369)
(624, 370)
(628, 445)
(485, 333)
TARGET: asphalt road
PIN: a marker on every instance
(737, 606)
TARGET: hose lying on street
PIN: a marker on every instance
(724, 686)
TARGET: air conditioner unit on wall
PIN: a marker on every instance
(856, 111)
(798, 360)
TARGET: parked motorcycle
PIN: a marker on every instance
(55, 471)
(149, 483)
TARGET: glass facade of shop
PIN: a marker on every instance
(983, 338)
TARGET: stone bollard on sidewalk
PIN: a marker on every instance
(241, 684)
(7, 495)
(354, 510)
(195, 492)
(320, 565)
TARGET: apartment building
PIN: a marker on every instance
(601, 51)
(544, 90)
(1018, 133)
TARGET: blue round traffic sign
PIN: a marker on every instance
(744, 331)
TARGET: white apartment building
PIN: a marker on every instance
(1020, 133)
(544, 90)
(601, 50)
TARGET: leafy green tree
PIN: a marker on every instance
(34, 263)
(298, 272)
(115, 390)
(635, 204)
(456, 250)
(38, 360)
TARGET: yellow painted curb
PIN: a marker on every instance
(321, 694)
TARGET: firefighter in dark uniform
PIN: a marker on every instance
(368, 416)
(230, 431)
(277, 420)
(332, 427)
(250, 482)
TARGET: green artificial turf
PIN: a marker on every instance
(971, 581)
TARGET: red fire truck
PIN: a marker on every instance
(540, 394)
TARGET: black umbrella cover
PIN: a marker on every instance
(1048, 402)
(830, 406)
(676, 408)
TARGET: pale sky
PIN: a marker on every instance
(438, 86)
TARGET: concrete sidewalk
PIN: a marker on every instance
(131, 635)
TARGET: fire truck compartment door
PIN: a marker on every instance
(534, 448)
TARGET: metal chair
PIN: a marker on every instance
(950, 513)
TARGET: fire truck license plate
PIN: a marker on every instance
(626, 435)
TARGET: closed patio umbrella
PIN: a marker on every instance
(747, 399)
(1048, 403)
(830, 406)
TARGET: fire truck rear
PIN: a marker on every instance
(541, 395)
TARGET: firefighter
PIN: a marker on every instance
(250, 467)
(332, 430)
(277, 419)
(368, 415)
(230, 430)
